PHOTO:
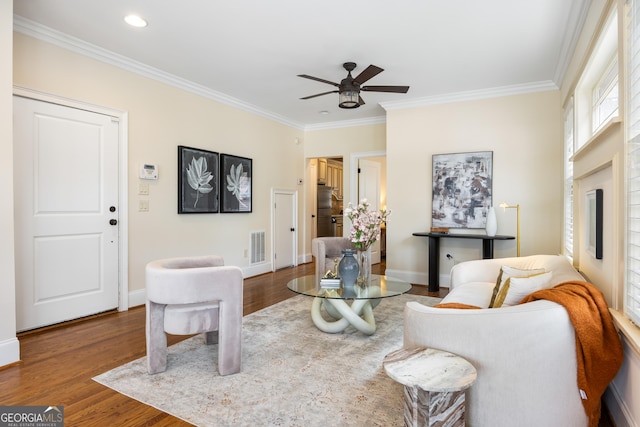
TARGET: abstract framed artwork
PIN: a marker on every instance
(594, 210)
(235, 184)
(461, 189)
(197, 181)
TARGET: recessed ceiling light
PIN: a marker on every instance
(135, 21)
(323, 112)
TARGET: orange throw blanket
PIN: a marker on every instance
(598, 347)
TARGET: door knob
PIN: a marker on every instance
(113, 221)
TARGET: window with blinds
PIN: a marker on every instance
(605, 95)
(568, 180)
(632, 285)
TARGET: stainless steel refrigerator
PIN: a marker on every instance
(325, 228)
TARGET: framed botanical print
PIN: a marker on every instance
(197, 180)
(235, 184)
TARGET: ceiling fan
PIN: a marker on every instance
(349, 88)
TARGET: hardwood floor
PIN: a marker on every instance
(58, 362)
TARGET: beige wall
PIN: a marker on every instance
(345, 143)
(161, 117)
(525, 134)
(9, 347)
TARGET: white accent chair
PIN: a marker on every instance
(326, 250)
(193, 295)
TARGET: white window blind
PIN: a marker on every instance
(632, 285)
(605, 95)
(568, 179)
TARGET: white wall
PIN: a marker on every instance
(525, 134)
(9, 346)
(161, 117)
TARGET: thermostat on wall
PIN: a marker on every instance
(148, 171)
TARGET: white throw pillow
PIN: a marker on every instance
(516, 288)
(506, 273)
(477, 294)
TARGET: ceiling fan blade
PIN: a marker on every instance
(320, 94)
(305, 76)
(360, 100)
(395, 89)
(368, 73)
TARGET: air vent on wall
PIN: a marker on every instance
(257, 247)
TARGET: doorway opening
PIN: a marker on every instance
(329, 197)
(318, 172)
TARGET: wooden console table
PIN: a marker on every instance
(434, 251)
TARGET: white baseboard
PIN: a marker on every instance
(137, 297)
(618, 408)
(416, 277)
(255, 270)
(305, 258)
(9, 351)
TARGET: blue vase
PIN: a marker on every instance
(348, 268)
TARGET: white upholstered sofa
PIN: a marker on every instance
(525, 354)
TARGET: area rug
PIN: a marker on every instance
(292, 373)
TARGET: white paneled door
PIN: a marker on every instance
(66, 212)
(285, 232)
(369, 188)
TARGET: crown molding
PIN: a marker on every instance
(471, 95)
(577, 16)
(65, 41)
(347, 123)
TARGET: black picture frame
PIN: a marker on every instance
(236, 175)
(197, 180)
(594, 222)
(462, 189)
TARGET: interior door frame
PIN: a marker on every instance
(353, 174)
(123, 119)
(294, 195)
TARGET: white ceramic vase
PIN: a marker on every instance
(492, 223)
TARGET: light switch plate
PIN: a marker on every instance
(143, 188)
(143, 206)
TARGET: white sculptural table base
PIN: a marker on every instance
(359, 315)
(334, 301)
(434, 385)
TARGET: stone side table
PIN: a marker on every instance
(434, 385)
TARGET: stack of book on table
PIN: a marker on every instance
(330, 283)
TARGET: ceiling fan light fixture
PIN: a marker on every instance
(349, 99)
(349, 88)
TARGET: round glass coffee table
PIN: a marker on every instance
(359, 314)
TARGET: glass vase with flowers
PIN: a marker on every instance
(365, 231)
